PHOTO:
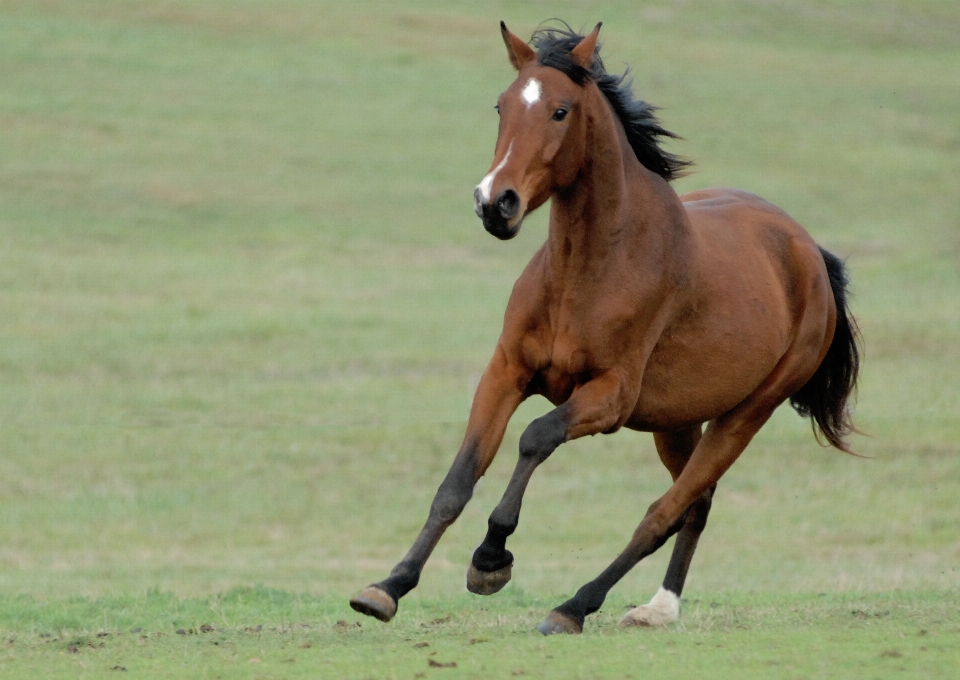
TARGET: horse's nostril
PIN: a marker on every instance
(508, 203)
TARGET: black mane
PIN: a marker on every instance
(643, 130)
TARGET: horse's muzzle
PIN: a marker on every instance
(497, 214)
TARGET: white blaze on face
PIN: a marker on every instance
(531, 92)
(487, 182)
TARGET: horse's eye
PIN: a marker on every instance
(560, 114)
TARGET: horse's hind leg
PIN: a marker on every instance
(675, 449)
(725, 439)
(664, 607)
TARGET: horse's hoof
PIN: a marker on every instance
(559, 623)
(374, 602)
(662, 610)
(487, 582)
(645, 616)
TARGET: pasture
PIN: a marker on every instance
(244, 301)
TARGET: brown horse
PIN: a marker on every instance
(642, 310)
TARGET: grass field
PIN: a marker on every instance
(259, 633)
(244, 300)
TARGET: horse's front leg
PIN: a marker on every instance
(596, 406)
(499, 393)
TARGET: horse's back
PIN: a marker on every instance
(738, 210)
(735, 227)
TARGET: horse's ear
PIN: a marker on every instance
(520, 52)
(583, 53)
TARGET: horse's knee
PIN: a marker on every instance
(542, 437)
(452, 497)
(449, 503)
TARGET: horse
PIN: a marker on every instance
(643, 309)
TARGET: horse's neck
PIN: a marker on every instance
(615, 210)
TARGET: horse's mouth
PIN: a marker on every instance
(495, 223)
(501, 228)
(501, 217)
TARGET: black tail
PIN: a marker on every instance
(824, 398)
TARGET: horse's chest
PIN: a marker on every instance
(569, 359)
(561, 363)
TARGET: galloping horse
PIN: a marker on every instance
(642, 310)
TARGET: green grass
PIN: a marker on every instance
(251, 633)
(244, 300)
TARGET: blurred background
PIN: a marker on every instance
(244, 299)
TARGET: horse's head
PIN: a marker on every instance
(541, 143)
